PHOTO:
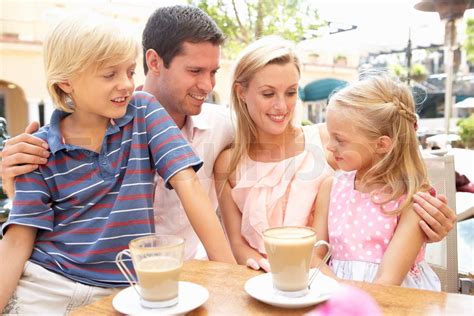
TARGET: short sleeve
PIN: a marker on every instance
(32, 203)
(169, 150)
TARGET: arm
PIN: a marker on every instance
(22, 154)
(15, 249)
(232, 216)
(201, 215)
(437, 218)
(402, 250)
(320, 225)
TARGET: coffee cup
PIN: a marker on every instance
(157, 261)
(289, 250)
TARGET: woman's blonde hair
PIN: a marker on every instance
(380, 106)
(80, 42)
(265, 51)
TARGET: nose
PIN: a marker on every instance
(126, 82)
(280, 104)
(331, 145)
(206, 83)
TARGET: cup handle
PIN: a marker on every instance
(325, 259)
(124, 269)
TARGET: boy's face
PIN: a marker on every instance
(103, 93)
(191, 76)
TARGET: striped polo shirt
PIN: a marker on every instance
(86, 205)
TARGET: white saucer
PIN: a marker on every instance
(261, 288)
(190, 295)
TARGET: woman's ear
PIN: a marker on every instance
(66, 86)
(240, 91)
(383, 145)
(153, 61)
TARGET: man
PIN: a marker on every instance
(181, 46)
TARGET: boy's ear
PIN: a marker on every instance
(153, 61)
(383, 145)
(66, 86)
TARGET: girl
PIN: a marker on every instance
(366, 210)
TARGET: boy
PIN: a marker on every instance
(75, 213)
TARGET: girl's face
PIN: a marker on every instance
(351, 149)
(271, 97)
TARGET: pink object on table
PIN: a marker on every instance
(348, 300)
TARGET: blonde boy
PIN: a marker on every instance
(72, 215)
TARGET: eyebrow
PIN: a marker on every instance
(270, 86)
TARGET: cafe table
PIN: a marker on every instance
(225, 283)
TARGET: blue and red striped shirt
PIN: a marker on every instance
(86, 205)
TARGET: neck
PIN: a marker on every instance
(268, 147)
(150, 86)
(84, 130)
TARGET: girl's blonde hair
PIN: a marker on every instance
(379, 106)
(265, 51)
(80, 42)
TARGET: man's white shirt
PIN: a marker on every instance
(208, 133)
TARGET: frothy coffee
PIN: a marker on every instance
(289, 251)
(158, 278)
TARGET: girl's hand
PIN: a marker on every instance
(437, 217)
(257, 265)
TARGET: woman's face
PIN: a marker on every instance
(271, 97)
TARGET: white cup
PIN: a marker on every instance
(157, 261)
(289, 250)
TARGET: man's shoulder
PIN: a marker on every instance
(215, 113)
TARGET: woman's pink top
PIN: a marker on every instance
(271, 194)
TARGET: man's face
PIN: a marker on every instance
(191, 76)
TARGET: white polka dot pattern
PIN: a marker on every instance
(357, 225)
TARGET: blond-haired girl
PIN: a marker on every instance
(366, 210)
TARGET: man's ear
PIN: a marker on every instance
(66, 86)
(383, 145)
(153, 61)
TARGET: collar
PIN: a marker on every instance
(55, 139)
(195, 122)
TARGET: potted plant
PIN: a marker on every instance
(466, 131)
(340, 60)
(418, 72)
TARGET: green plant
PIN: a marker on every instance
(466, 131)
(418, 72)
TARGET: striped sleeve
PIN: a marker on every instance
(32, 203)
(169, 150)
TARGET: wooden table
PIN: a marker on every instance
(225, 283)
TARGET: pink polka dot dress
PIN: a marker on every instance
(359, 233)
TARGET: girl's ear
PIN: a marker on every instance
(66, 86)
(383, 145)
(153, 61)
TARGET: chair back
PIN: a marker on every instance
(443, 255)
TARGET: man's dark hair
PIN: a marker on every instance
(169, 27)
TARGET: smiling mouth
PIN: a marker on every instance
(277, 118)
(197, 97)
(119, 100)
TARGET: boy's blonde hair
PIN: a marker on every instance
(83, 43)
(265, 51)
(379, 106)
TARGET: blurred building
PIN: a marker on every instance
(24, 24)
